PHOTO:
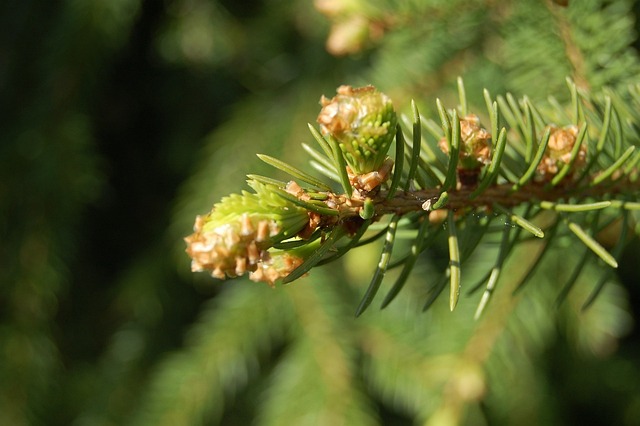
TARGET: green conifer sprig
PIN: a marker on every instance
(547, 171)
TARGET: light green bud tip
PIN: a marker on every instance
(235, 236)
(363, 122)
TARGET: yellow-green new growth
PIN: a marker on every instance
(235, 236)
(363, 121)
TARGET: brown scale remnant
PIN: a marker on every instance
(241, 265)
(275, 267)
(367, 183)
(314, 222)
(263, 231)
(295, 189)
(247, 226)
(315, 219)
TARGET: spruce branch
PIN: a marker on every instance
(535, 164)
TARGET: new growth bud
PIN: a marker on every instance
(558, 152)
(235, 236)
(474, 150)
(474, 144)
(363, 122)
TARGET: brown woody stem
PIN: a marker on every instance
(503, 194)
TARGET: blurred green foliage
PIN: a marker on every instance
(123, 119)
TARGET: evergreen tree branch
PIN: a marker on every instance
(557, 172)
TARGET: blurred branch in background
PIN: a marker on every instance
(122, 120)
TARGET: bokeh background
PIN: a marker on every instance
(123, 119)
